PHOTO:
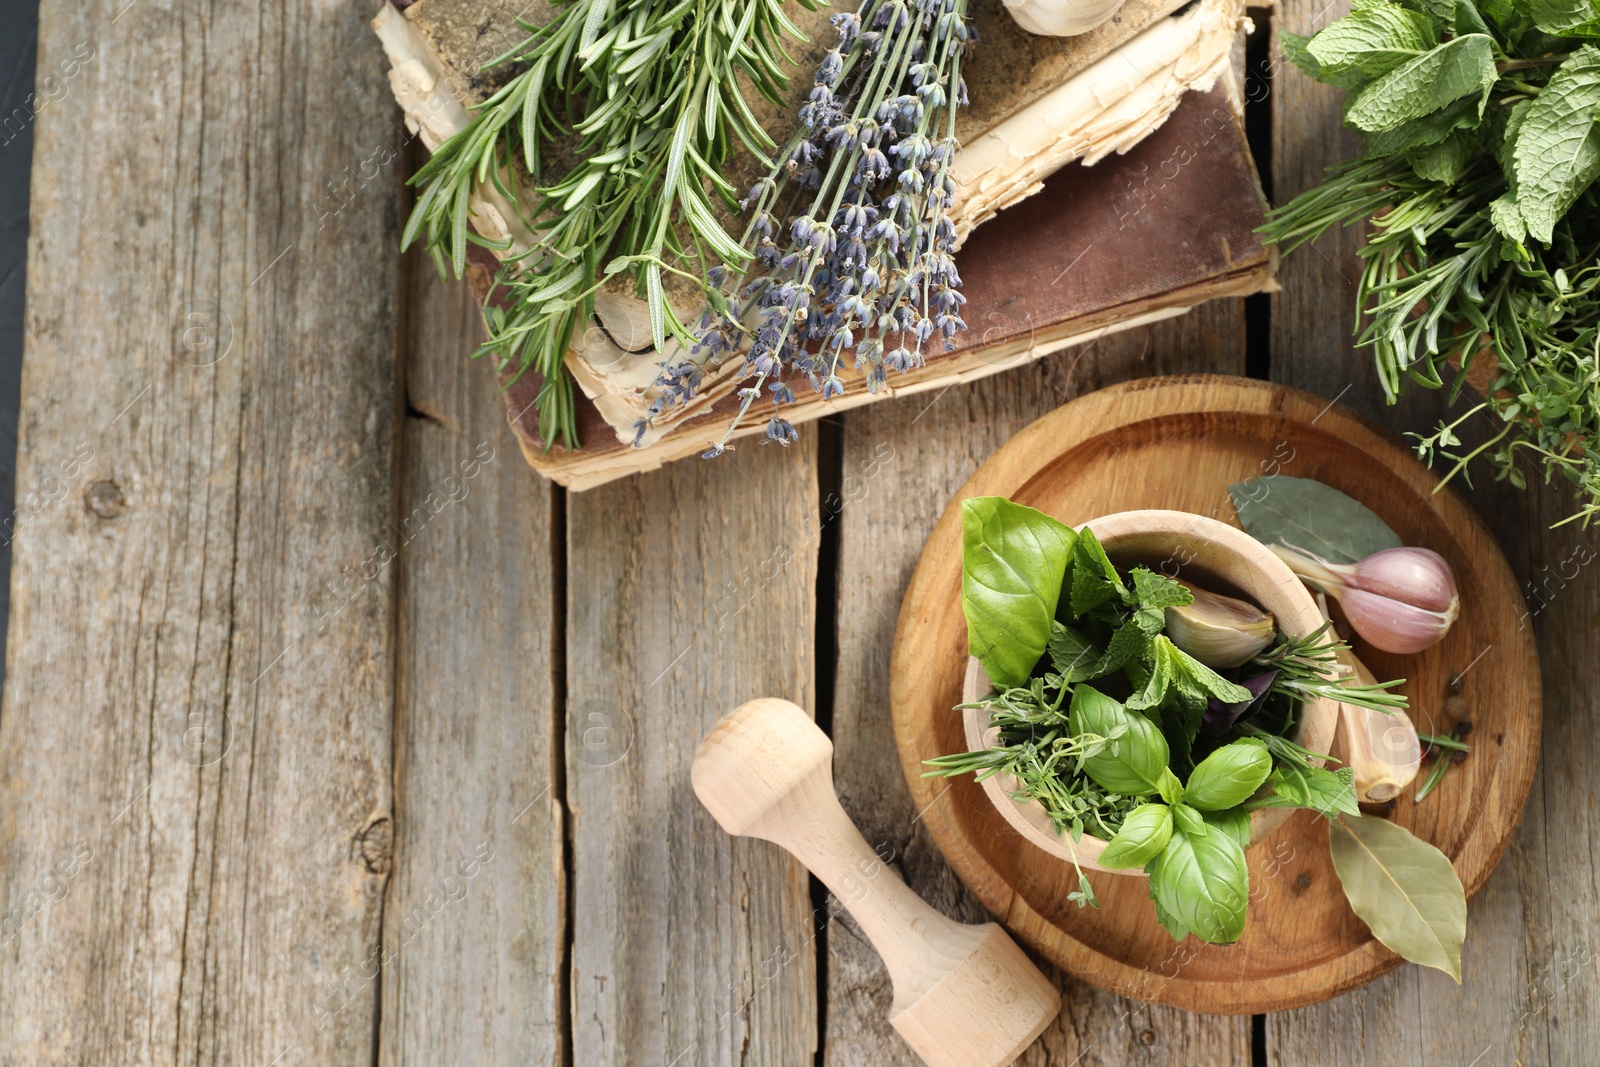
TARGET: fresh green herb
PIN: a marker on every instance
(1450, 750)
(648, 97)
(1482, 146)
(1136, 757)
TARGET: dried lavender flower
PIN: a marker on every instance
(851, 233)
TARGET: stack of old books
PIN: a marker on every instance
(1104, 182)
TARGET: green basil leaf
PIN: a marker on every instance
(1235, 823)
(1202, 884)
(1306, 514)
(1374, 39)
(1167, 920)
(1229, 776)
(1462, 67)
(1143, 835)
(1189, 820)
(1072, 655)
(1557, 149)
(1133, 763)
(1327, 792)
(1094, 579)
(1403, 888)
(1169, 787)
(1013, 560)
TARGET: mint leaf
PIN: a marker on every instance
(1566, 18)
(1013, 560)
(1557, 144)
(1072, 656)
(1094, 579)
(1127, 645)
(1327, 792)
(1296, 48)
(1374, 39)
(1228, 777)
(1172, 668)
(1152, 590)
(1145, 832)
(1459, 68)
(1428, 130)
(1444, 162)
(1133, 763)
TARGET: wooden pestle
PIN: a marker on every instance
(964, 996)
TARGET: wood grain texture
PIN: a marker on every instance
(900, 464)
(475, 917)
(1528, 963)
(694, 590)
(1117, 451)
(195, 747)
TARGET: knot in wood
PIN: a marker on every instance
(375, 844)
(104, 498)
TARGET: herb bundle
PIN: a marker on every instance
(851, 232)
(1162, 755)
(1482, 131)
(647, 98)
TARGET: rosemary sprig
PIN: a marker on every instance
(1308, 668)
(646, 97)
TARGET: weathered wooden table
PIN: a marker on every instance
(332, 735)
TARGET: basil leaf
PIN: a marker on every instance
(1374, 39)
(1229, 776)
(1133, 763)
(1189, 820)
(1072, 655)
(1460, 68)
(1327, 792)
(1094, 579)
(1403, 888)
(1013, 560)
(1202, 884)
(1234, 823)
(1170, 788)
(1558, 144)
(1167, 920)
(1306, 514)
(1144, 834)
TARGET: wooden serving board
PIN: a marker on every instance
(1178, 442)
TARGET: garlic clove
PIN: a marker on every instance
(1393, 625)
(1219, 631)
(1061, 18)
(1380, 747)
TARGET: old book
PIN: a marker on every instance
(1102, 248)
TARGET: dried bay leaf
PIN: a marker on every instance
(1304, 513)
(1403, 888)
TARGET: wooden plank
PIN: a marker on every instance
(693, 590)
(1523, 986)
(474, 921)
(195, 747)
(902, 464)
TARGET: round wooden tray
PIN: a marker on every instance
(1177, 443)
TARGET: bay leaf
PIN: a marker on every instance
(1403, 888)
(1306, 514)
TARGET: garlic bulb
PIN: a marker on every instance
(1219, 631)
(1061, 18)
(1398, 600)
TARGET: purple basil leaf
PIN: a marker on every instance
(1220, 716)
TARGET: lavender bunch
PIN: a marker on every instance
(851, 231)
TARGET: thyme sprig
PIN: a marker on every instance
(646, 97)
